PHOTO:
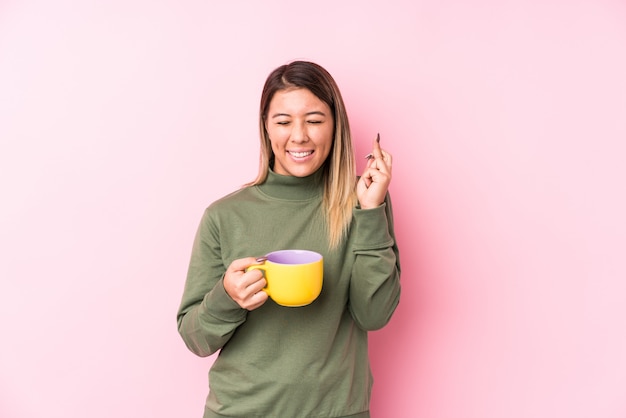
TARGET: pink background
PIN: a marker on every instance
(121, 120)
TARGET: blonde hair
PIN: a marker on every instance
(339, 172)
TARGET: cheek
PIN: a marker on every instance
(329, 137)
(277, 132)
(274, 137)
(274, 147)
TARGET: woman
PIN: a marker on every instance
(310, 361)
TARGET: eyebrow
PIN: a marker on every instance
(315, 112)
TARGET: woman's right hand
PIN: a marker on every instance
(245, 287)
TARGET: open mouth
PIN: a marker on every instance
(300, 154)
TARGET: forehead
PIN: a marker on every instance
(295, 100)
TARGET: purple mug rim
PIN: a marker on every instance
(293, 257)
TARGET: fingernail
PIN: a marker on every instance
(368, 156)
(378, 137)
(261, 259)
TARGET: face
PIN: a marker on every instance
(300, 127)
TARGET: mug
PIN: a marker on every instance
(294, 277)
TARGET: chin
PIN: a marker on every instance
(299, 171)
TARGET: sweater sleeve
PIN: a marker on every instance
(375, 282)
(207, 316)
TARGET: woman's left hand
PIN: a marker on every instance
(374, 182)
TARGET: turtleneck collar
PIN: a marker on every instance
(293, 188)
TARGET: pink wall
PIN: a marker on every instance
(121, 120)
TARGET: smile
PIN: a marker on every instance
(300, 154)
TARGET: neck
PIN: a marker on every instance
(293, 188)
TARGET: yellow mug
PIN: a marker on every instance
(294, 277)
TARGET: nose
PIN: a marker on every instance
(299, 133)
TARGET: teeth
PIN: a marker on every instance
(300, 154)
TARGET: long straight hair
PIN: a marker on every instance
(339, 173)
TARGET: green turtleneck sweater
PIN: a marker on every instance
(277, 361)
